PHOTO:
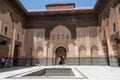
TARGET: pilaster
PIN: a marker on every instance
(111, 52)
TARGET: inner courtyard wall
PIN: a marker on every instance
(86, 49)
(11, 33)
(109, 35)
(88, 38)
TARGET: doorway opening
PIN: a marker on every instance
(60, 51)
(16, 54)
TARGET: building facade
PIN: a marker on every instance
(82, 36)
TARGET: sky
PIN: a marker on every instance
(40, 4)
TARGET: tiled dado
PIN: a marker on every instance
(114, 61)
(77, 61)
(87, 61)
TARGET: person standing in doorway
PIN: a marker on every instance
(58, 61)
(61, 62)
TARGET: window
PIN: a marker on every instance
(6, 30)
(18, 36)
(100, 30)
(62, 36)
(53, 37)
(104, 34)
(119, 10)
(3, 42)
(114, 27)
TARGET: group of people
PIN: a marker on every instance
(61, 60)
(3, 62)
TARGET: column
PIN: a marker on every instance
(88, 55)
(12, 45)
(118, 21)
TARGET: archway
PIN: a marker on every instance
(60, 32)
(94, 55)
(94, 51)
(60, 51)
(39, 52)
(82, 54)
(39, 55)
(16, 54)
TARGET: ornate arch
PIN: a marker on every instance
(57, 46)
(39, 51)
(60, 44)
(62, 31)
(82, 50)
(94, 51)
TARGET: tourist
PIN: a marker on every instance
(58, 61)
(6, 62)
(37, 61)
(0, 62)
(3, 60)
(61, 62)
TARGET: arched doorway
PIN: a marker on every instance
(60, 51)
(16, 54)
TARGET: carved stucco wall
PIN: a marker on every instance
(113, 20)
(10, 20)
(19, 36)
(61, 36)
(60, 33)
(82, 35)
(88, 42)
(108, 25)
(39, 42)
(6, 21)
(29, 46)
(86, 37)
(7, 7)
(35, 43)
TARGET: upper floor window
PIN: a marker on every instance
(6, 30)
(99, 30)
(18, 36)
(62, 36)
(58, 37)
(119, 10)
(114, 27)
(53, 37)
(104, 34)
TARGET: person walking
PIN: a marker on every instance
(3, 60)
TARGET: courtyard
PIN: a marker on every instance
(70, 42)
(89, 73)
